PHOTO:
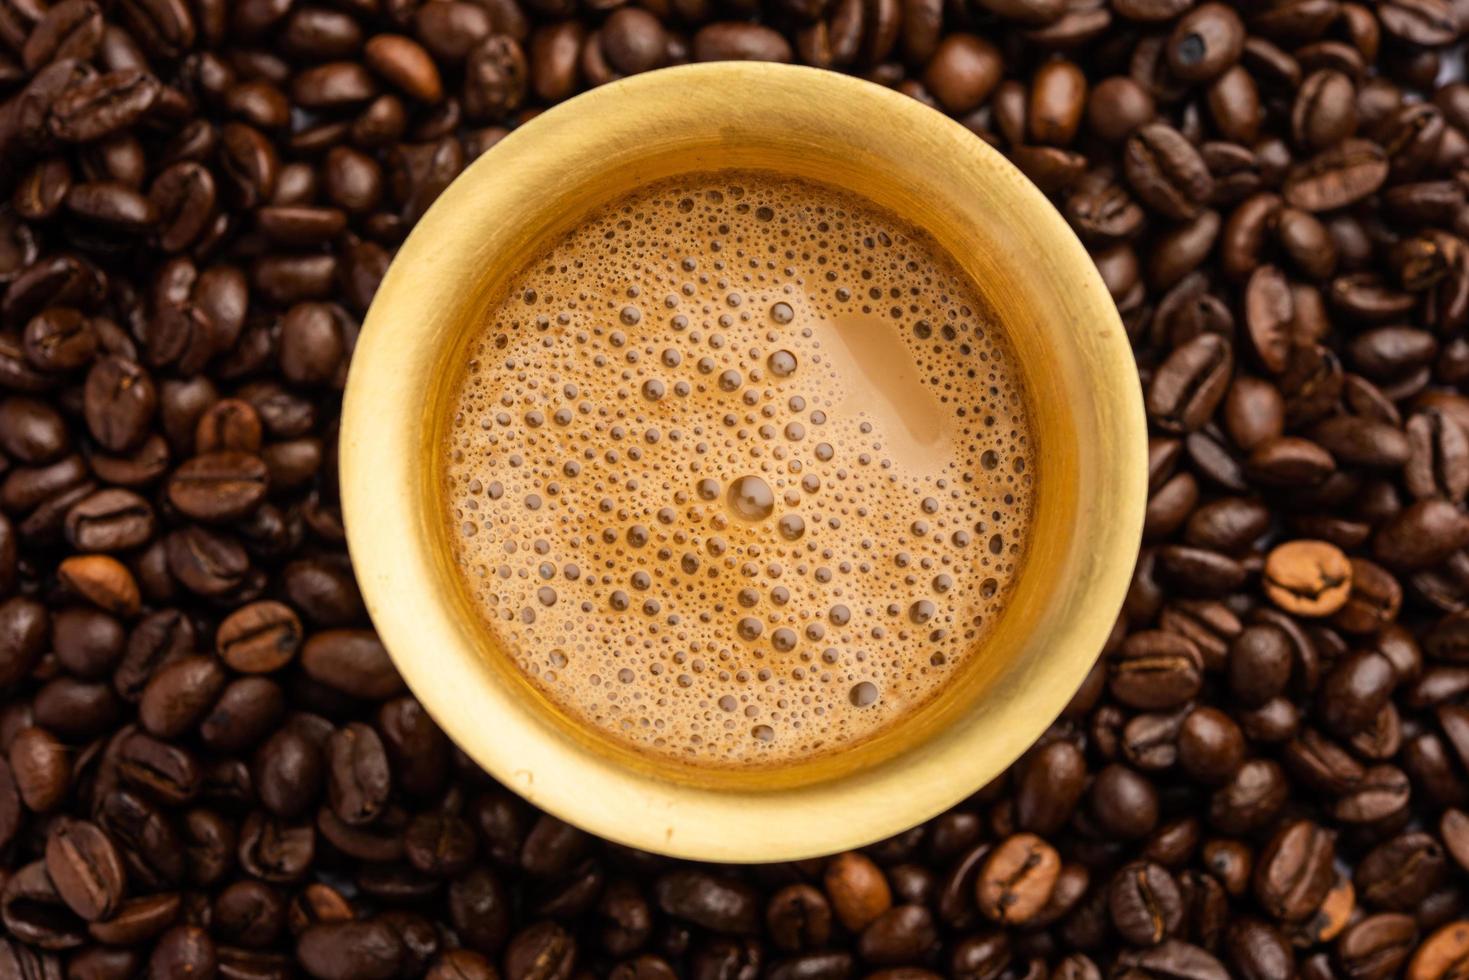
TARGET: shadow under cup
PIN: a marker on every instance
(1041, 286)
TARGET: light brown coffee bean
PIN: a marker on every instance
(1017, 879)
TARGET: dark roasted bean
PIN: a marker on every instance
(1338, 176)
(1166, 171)
(1144, 904)
(341, 950)
(1294, 871)
(85, 869)
(1376, 946)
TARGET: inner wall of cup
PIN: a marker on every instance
(1023, 301)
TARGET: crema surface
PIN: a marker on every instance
(740, 472)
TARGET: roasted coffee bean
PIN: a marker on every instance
(1230, 524)
(1294, 871)
(119, 403)
(1269, 315)
(1155, 670)
(357, 772)
(1144, 903)
(461, 964)
(963, 71)
(1190, 384)
(1017, 878)
(1255, 950)
(311, 344)
(163, 771)
(1321, 764)
(324, 592)
(1123, 803)
(956, 900)
(1205, 42)
(1251, 798)
(32, 431)
(1439, 462)
(40, 767)
(243, 714)
(1051, 785)
(1442, 953)
(100, 106)
(1376, 946)
(60, 338)
(404, 63)
(274, 850)
(1362, 442)
(1230, 862)
(1388, 353)
(1325, 111)
(87, 642)
(1355, 691)
(541, 950)
(259, 638)
(901, 935)
(718, 904)
(218, 487)
(85, 869)
(287, 773)
(24, 625)
(1166, 172)
(157, 639)
(179, 694)
(1400, 873)
(1423, 22)
(419, 754)
(798, 917)
(441, 845)
(1174, 959)
(72, 29)
(1057, 99)
(33, 911)
(1308, 243)
(1382, 793)
(1289, 461)
(102, 580)
(1117, 106)
(183, 951)
(1210, 746)
(104, 962)
(352, 662)
(1150, 742)
(110, 520)
(1374, 601)
(1422, 534)
(111, 204)
(626, 919)
(479, 908)
(183, 196)
(366, 949)
(732, 41)
(1337, 177)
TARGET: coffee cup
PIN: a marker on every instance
(1072, 353)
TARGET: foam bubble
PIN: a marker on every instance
(740, 470)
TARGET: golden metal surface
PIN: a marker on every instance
(1085, 403)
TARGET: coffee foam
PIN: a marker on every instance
(739, 471)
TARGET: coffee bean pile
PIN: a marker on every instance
(208, 766)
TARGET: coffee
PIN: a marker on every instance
(740, 471)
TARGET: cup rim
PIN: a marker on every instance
(390, 539)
